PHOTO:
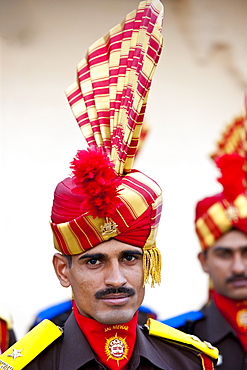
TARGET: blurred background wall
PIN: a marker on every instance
(198, 87)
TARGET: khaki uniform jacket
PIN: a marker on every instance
(72, 352)
(213, 328)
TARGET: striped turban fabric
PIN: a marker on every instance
(105, 197)
(218, 214)
(110, 94)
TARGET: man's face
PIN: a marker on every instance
(226, 263)
(107, 281)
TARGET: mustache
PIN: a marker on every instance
(235, 278)
(104, 292)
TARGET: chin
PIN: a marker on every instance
(238, 296)
(113, 318)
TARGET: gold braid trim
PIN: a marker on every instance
(152, 265)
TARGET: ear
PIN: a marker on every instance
(202, 257)
(61, 267)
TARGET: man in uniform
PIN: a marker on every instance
(104, 221)
(221, 226)
(7, 334)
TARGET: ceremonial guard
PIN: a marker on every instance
(104, 221)
(221, 226)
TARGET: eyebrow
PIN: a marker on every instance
(102, 255)
(219, 248)
(132, 252)
(93, 256)
(229, 248)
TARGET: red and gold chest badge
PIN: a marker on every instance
(116, 348)
(241, 318)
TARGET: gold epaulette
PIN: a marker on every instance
(28, 347)
(170, 334)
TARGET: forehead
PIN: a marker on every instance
(112, 247)
(232, 239)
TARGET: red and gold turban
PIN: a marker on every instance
(218, 214)
(105, 198)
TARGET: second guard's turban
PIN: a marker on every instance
(227, 210)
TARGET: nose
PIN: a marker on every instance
(114, 275)
(238, 265)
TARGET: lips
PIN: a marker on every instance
(238, 282)
(116, 299)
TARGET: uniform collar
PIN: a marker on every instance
(217, 327)
(144, 348)
(74, 357)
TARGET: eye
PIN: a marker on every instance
(129, 257)
(224, 254)
(93, 261)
